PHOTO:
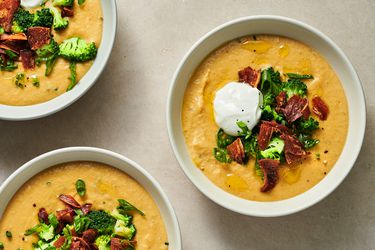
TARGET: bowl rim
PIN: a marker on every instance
(172, 131)
(39, 110)
(174, 225)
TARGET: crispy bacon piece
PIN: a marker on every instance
(89, 235)
(64, 216)
(43, 215)
(280, 101)
(295, 108)
(14, 45)
(293, 148)
(79, 244)
(86, 208)
(7, 10)
(67, 12)
(277, 127)
(250, 76)
(60, 227)
(264, 136)
(68, 199)
(236, 151)
(116, 244)
(6, 47)
(269, 168)
(13, 37)
(38, 36)
(59, 242)
(27, 59)
(320, 108)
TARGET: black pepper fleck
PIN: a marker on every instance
(34, 205)
(325, 151)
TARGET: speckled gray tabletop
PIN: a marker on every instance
(125, 112)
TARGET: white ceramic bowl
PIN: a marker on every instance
(284, 27)
(42, 162)
(19, 113)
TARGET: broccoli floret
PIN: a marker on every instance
(48, 54)
(53, 220)
(22, 20)
(123, 231)
(125, 218)
(295, 87)
(307, 126)
(46, 232)
(101, 221)
(307, 141)
(64, 3)
(2, 31)
(59, 22)
(78, 50)
(274, 149)
(270, 82)
(81, 223)
(269, 114)
(102, 242)
(268, 99)
(42, 245)
(251, 145)
(43, 18)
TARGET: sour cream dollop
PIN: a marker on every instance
(31, 3)
(237, 102)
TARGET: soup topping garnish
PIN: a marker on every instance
(79, 226)
(284, 131)
(26, 37)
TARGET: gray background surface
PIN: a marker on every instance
(125, 112)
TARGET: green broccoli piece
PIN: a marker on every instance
(269, 114)
(2, 31)
(8, 65)
(125, 206)
(307, 141)
(274, 149)
(270, 82)
(307, 126)
(123, 217)
(53, 220)
(43, 18)
(268, 99)
(123, 231)
(63, 3)
(78, 50)
(81, 223)
(295, 87)
(102, 242)
(298, 76)
(251, 145)
(223, 139)
(101, 221)
(48, 54)
(22, 20)
(59, 22)
(45, 232)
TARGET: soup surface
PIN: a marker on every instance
(104, 186)
(86, 24)
(285, 55)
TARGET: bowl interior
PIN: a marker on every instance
(8, 112)
(35, 166)
(284, 27)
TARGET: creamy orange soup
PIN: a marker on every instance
(87, 24)
(285, 55)
(104, 186)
